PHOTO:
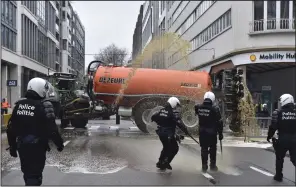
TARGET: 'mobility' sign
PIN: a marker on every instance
(277, 56)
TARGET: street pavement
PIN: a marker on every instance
(107, 154)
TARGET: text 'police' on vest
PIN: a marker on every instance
(26, 110)
(288, 116)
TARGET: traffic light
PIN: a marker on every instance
(238, 84)
(228, 91)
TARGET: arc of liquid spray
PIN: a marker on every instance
(152, 47)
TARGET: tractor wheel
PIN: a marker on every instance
(79, 122)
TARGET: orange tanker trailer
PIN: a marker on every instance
(137, 94)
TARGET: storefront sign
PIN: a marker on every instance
(276, 56)
(264, 57)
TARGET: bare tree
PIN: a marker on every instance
(112, 54)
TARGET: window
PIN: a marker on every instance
(2, 34)
(294, 10)
(41, 11)
(271, 14)
(64, 15)
(63, 3)
(6, 9)
(65, 44)
(217, 27)
(200, 9)
(259, 10)
(284, 22)
(179, 10)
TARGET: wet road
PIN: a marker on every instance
(104, 155)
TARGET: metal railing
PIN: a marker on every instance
(266, 25)
(257, 127)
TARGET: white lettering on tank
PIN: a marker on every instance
(25, 110)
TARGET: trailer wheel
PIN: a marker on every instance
(189, 118)
(79, 122)
(143, 112)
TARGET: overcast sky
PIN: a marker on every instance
(107, 22)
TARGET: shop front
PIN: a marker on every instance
(268, 75)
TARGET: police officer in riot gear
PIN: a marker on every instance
(31, 125)
(167, 122)
(284, 121)
(210, 124)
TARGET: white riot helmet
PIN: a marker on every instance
(174, 101)
(210, 95)
(38, 85)
(286, 99)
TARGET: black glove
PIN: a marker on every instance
(13, 152)
(221, 137)
(268, 138)
(60, 148)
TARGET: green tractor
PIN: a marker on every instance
(71, 104)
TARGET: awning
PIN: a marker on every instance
(222, 66)
(263, 67)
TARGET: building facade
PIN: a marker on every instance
(257, 36)
(137, 36)
(31, 43)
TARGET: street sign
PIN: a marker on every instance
(11, 83)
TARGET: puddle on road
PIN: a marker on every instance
(149, 168)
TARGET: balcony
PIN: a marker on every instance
(272, 26)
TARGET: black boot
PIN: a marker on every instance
(164, 164)
(279, 163)
(278, 177)
(213, 168)
(168, 166)
(213, 154)
(204, 168)
(204, 158)
(158, 164)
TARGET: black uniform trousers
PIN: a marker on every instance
(32, 159)
(170, 148)
(208, 144)
(285, 143)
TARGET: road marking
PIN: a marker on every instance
(114, 127)
(133, 128)
(69, 128)
(261, 171)
(94, 127)
(66, 142)
(85, 171)
(242, 144)
(208, 176)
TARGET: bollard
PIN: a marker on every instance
(6, 118)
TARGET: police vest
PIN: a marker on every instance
(29, 118)
(287, 121)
